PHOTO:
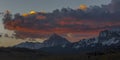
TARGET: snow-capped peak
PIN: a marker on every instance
(106, 37)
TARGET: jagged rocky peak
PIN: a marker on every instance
(106, 37)
(109, 33)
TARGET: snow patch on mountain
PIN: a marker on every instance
(110, 41)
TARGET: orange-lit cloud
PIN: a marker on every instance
(40, 17)
(83, 7)
(25, 14)
(33, 12)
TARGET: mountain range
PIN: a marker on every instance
(107, 39)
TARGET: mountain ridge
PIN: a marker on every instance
(107, 39)
(54, 40)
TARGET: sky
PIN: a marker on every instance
(47, 5)
(92, 24)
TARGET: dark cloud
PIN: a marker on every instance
(114, 6)
(67, 20)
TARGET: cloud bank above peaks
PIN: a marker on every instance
(87, 20)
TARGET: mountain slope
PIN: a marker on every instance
(105, 38)
(54, 40)
(29, 45)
